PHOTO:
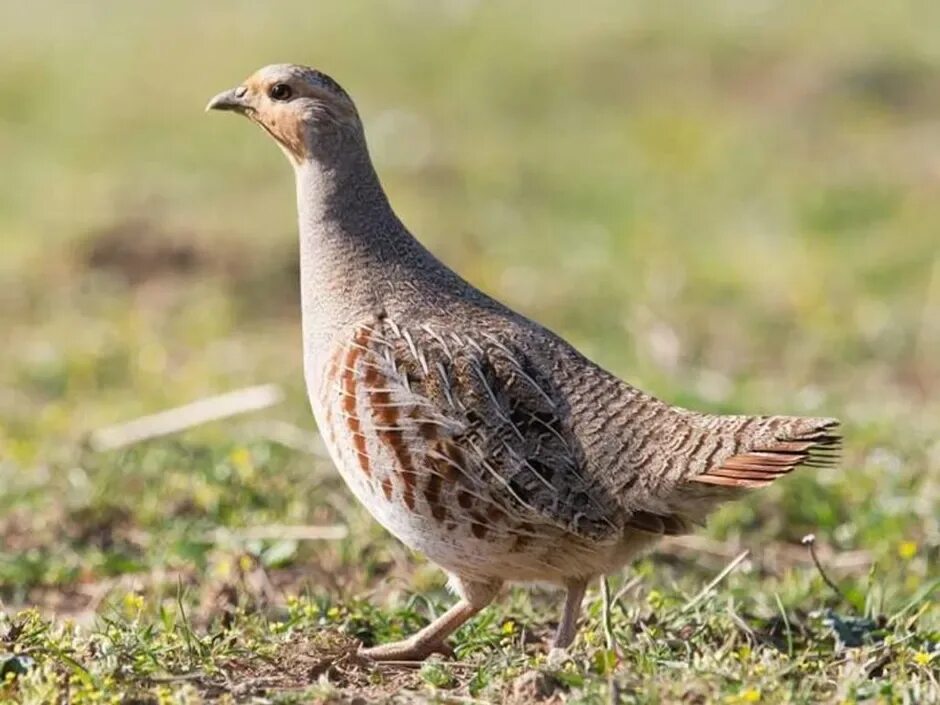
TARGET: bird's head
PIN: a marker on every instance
(304, 110)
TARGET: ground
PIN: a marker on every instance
(733, 206)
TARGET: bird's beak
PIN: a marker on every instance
(232, 99)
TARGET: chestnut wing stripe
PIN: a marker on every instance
(387, 420)
(348, 384)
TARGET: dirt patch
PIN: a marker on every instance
(142, 252)
(326, 659)
(138, 251)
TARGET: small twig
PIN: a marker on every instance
(742, 625)
(704, 592)
(463, 700)
(185, 417)
(409, 665)
(187, 629)
(786, 624)
(289, 436)
(810, 542)
(193, 676)
(627, 587)
(330, 532)
(607, 602)
(772, 555)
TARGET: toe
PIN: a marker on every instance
(406, 650)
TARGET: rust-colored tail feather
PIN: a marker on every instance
(818, 446)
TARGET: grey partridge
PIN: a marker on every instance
(471, 433)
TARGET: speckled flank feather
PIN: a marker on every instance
(471, 433)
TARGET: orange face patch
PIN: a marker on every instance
(289, 122)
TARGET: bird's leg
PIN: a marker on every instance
(473, 598)
(429, 640)
(567, 628)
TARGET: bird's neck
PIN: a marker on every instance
(339, 187)
(353, 249)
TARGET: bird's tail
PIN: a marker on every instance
(762, 448)
(729, 455)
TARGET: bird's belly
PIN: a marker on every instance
(407, 498)
(427, 516)
(384, 456)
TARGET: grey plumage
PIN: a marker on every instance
(472, 433)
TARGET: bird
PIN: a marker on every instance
(473, 434)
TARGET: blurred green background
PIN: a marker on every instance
(733, 205)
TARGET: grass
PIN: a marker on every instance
(733, 206)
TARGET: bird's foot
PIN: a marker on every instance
(407, 650)
(556, 658)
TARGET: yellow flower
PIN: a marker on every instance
(133, 602)
(241, 461)
(655, 599)
(509, 627)
(922, 658)
(907, 550)
(749, 695)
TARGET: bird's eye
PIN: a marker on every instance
(281, 91)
